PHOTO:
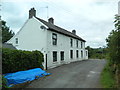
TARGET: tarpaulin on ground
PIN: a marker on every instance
(24, 76)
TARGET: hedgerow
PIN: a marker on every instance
(18, 60)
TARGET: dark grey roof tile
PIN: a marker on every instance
(55, 28)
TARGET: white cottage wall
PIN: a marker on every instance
(31, 36)
(63, 44)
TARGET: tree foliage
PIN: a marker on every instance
(96, 53)
(6, 32)
(113, 43)
(113, 46)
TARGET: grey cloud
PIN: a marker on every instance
(93, 19)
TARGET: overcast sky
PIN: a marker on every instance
(92, 19)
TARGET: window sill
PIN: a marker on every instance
(55, 62)
(62, 61)
(54, 45)
(16, 45)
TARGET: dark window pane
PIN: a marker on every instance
(77, 53)
(62, 55)
(81, 45)
(54, 39)
(71, 54)
(16, 40)
(71, 42)
(81, 54)
(86, 53)
(54, 56)
(77, 43)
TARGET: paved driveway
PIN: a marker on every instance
(82, 74)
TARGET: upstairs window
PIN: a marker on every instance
(16, 40)
(77, 43)
(81, 45)
(71, 42)
(54, 39)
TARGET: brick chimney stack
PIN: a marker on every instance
(74, 32)
(32, 12)
(51, 20)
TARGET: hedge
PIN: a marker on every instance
(18, 60)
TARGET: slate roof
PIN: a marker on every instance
(7, 45)
(60, 30)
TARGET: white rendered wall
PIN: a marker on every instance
(63, 44)
(30, 37)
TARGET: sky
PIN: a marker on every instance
(92, 19)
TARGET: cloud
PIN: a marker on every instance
(92, 19)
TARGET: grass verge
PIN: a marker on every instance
(107, 78)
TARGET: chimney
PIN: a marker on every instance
(32, 12)
(74, 32)
(51, 20)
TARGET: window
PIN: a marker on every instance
(77, 53)
(71, 54)
(81, 45)
(86, 53)
(81, 54)
(77, 43)
(16, 40)
(62, 55)
(54, 38)
(71, 42)
(54, 56)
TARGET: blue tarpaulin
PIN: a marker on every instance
(24, 76)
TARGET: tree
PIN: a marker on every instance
(96, 53)
(113, 42)
(113, 45)
(6, 32)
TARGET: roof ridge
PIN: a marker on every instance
(59, 29)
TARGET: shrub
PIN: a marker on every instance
(4, 81)
(18, 60)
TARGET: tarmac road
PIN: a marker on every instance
(81, 74)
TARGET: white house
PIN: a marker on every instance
(58, 45)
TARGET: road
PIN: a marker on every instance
(82, 74)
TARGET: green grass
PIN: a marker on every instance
(107, 78)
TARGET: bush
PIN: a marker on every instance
(18, 60)
(4, 81)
